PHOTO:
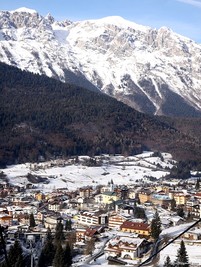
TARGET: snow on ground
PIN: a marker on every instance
(176, 230)
(193, 251)
(120, 169)
(103, 262)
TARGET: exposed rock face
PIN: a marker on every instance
(154, 71)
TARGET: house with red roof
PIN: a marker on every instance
(140, 228)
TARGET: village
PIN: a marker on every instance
(106, 223)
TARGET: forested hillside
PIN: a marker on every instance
(41, 118)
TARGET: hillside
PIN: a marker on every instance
(41, 118)
(155, 71)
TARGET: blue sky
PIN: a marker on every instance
(182, 16)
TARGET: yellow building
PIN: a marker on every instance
(132, 194)
(40, 196)
(180, 199)
(166, 189)
(141, 229)
(106, 198)
(144, 196)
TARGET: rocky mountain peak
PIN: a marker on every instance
(50, 18)
(20, 18)
(154, 71)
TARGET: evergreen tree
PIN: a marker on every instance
(180, 212)
(32, 222)
(139, 213)
(19, 261)
(59, 257)
(167, 262)
(182, 257)
(67, 256)
(47, 253)
(15, 257)
(68, 225)
(173, 204)
(59, 235)
(189, 216)
(49, 235)
(156, 226)
(197, 185)
(42, 260)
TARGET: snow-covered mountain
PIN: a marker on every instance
(154, 71)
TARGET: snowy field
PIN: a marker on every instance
(71, 175)
(193, 249)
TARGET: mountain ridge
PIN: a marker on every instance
(153, 71)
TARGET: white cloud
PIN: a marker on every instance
(196, 3)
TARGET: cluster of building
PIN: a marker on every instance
(99, 211)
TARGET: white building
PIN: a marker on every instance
(92, 218)
(126, 247)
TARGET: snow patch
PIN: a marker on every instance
(120, 22)
(25, 10)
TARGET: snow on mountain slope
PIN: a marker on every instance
(25, 10)
(154, 71)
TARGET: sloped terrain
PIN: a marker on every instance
(41, 118)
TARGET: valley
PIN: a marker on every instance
(100, 143)
(85, 171)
